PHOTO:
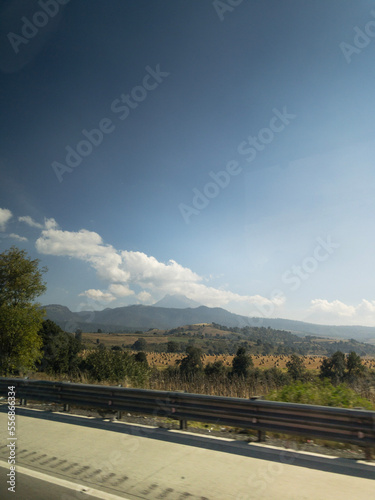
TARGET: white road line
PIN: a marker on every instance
(102, 495)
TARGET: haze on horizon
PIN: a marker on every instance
(176, 148)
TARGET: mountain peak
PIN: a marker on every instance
(176, 302)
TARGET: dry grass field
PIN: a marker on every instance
(161, 360)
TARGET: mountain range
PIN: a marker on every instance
(167, 314)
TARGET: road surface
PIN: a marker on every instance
(71, 457)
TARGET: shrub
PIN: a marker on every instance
(140, 345)
(115, 366)
(320, 393)
(60, 349)
(242, 363)
(192, 364)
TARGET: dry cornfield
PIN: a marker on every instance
(161, 360)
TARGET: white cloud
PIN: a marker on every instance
(17, 237)
(123, 269)
(29, 221)
(87, 246)
(145, 297)
(48, 223)
(337, 312)
(334, 307)
(120, 290)
(98, 295)
(5, 216)
(366, 307)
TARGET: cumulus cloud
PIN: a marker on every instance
(29, 221)
(120, 290)
(5, 216)
(48, 223)
(87, 246)
(98, 295)
(145, 297)
(334, 307)
(17, 237)
(338, 312)
(123, 269)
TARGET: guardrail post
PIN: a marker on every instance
(261, 436)
(183, 425)
(66, 406)
(369, 454)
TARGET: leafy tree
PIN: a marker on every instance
(141, 357)
(214, 369)
(20, 278)
(78, 335)
(295, 367)
(60, 349)
(192, 363)
(354, 366)
(105, 364)
(140, 345)
(333, 368)
(173, 346)
(242, 363)
(20, 318)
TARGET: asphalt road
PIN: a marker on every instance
(65, 457)
(33, 485)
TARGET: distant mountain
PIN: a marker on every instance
(139, 317)
(176, 302)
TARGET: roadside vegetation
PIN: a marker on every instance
(205, 359)
(339, 380)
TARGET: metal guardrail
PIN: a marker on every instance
(354, 426)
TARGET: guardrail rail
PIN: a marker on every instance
(355, 426)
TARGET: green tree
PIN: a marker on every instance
(20, 319)
(295, 367)
(78, 335)
(242, 363)
(214, 369)
(60, 349)
(354, 366)
(116, 366)
(173, 346)
(192, 363)
(141, 357)
(333, 368)
(140, 345)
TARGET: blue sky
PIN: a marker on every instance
(221, 150)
